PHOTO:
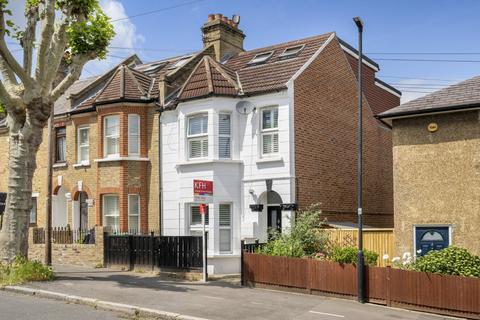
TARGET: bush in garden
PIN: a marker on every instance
(448, 261)
(349, 255)
(304, 239)
(22, 270)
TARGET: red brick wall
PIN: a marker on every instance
(325, 122)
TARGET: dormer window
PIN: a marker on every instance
(261, 57)
(291, 52)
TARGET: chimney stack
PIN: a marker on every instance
(224, 34)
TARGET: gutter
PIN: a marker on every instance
(460, 107)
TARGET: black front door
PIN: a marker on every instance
(83, 211)
(431, 238)
(274, 218)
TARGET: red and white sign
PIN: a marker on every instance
(203, 191)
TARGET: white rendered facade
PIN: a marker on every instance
(239, 181)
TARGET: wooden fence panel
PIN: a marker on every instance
(381, 241)
(452, 295)
(333, 278)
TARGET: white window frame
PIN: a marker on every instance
(197, 226)
(284, 54)
(80, 146)
(104, 196)
(136, 135)
(229, 136)
(197, 137)
(105, 138)
(138, 215)
(257, 60)
(269, 131)
(230, 228)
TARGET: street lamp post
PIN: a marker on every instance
(360, 257)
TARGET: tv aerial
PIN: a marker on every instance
(245, 107)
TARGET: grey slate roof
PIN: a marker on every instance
(465, 94)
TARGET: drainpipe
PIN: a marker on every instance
(160, 168)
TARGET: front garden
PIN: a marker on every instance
(21, 270)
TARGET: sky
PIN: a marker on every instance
(392, 28)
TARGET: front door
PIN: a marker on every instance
(83, 211)
(431, 238)
(274, 218)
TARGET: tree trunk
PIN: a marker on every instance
(24, 142)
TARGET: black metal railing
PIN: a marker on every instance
(65, 236)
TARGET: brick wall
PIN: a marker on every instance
(325, 122)
(89, 255)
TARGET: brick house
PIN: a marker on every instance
(131, 142)
(436, 169)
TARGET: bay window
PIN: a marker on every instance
(134, 213)
(197, 136)
(133, 135)
(111, 212)
(269, 131)
(111, 140)
(196, 217)
(224, 136)
(225, 227)
(83, 147)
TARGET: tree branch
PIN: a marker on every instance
(7, 73)
(48, 24)
(75, 71)
(28, 39)
(7, 56)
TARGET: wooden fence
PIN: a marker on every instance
(451, 295)
(184, 252)
(381, 241)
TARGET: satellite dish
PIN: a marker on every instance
(245, 107)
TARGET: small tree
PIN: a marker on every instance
(72, 32)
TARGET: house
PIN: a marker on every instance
(436, 166)
(274, 128)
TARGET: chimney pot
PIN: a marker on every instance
(224, 19)
(218, 16)
(211, 17)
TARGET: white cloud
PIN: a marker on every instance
(126, 36)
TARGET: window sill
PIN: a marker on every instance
(225, 255)
(208, 161)
(82, 164)
(60, 165)
(113, 159)
(269, 159)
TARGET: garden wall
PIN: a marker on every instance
(90, 255)
(451, 295)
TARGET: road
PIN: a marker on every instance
(21, 307)
(214, 300)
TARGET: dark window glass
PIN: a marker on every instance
(61, 144)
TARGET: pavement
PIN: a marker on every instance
(15, 306)
(213, 300)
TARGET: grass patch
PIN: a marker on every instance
(22, 270)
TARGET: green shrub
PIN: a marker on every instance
(22, 270)
(349, 255)
(304, 239)
(449, 261)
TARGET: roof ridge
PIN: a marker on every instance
(220, 69)
(209, 74)
(106, 84)
(292, 42)
(189, 77)
(139, 86)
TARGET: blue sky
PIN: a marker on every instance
(390, 27)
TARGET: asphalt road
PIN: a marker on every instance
(215, 300)
(22, 307)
